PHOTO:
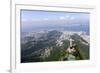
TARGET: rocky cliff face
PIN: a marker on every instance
(50, 45)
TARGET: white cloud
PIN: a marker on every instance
(67, 16)
(62, 18)
(46, 19)
(72, 18)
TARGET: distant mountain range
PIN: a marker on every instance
(51, 45)
(74, 27)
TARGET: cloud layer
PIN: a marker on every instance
(44, 18)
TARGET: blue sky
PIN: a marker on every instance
(31, 18)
